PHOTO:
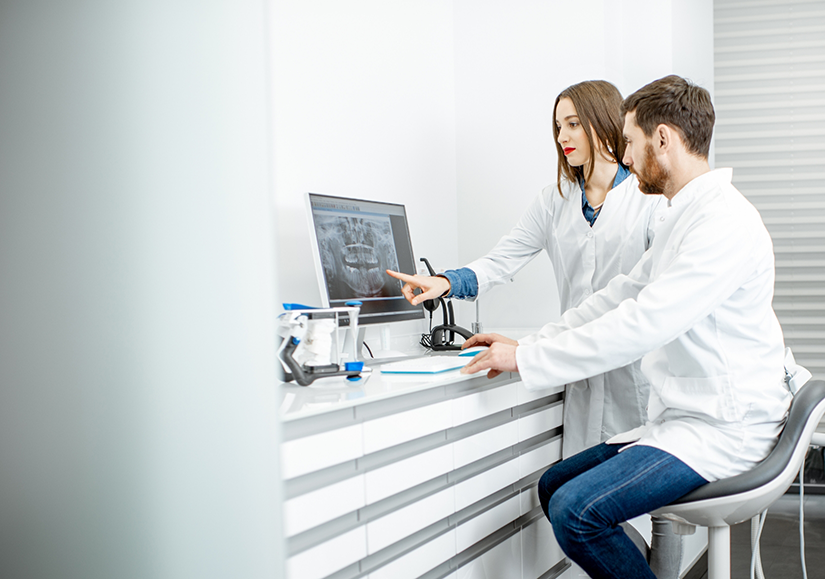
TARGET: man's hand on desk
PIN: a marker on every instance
(432, 287)
(498, 358)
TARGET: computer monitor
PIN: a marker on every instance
(354, 242)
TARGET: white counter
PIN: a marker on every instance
(398, 476)
(404, 476)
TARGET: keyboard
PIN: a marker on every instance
(426, 365)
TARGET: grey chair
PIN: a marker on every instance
(723, 503)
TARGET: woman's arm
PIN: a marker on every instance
(516, 249)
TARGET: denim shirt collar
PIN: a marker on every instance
(589, 212)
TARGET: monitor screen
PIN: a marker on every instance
(355, 241)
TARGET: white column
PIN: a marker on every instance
(137, 429)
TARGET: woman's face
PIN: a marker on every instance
(572, 137)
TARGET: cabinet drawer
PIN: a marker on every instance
(533, 424)
(325, 504)
(541, 457)
(402, 475)
(311, 453)
(488, 522)
(328, 557)
(419, 561)
(473, 406)
(485, 443)
(474, 489)
(406, 521)
(388, 431)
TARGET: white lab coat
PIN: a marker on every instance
(584, 260)
(698, 304)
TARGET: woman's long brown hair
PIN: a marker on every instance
(598, 106)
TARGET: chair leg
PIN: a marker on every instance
(719, 552)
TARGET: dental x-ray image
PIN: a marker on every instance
(355, 252)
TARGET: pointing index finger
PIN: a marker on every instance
(398, 275)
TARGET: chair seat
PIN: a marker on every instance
(736, 499)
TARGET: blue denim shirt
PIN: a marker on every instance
(463, 283)
(591, 214)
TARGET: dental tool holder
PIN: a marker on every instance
(295, 325)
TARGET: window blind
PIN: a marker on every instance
(769, 76)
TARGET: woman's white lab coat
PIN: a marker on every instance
(584, 259)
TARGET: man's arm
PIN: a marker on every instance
(620, 288)
(711, 264)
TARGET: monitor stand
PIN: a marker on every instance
(359, 345)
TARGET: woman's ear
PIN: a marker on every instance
(604, 151)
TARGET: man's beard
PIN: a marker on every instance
(653, 177)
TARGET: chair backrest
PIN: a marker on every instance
(807, 409)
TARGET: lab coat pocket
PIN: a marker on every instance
(712, 396)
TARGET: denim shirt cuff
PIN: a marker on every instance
(463, 283)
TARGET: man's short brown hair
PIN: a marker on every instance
(679, 104)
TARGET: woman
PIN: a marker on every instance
(594, 224)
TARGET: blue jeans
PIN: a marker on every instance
(587, 495)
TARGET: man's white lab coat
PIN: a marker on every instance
(584, 260)
(697, 306)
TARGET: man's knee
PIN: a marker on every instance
(548, 484)
(545, 490)
(575, 511)
(563, 508)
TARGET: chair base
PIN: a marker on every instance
(719, 552)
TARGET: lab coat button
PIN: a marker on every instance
(662, 218)
(589, 234)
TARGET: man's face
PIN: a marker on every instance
(640, 158)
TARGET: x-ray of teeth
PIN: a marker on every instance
(355, 252)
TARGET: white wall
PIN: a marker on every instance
(446, 107)
(138, 434)
(365, 108)
(512, 59)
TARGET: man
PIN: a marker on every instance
(697, 308)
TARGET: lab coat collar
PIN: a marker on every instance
(701, 185)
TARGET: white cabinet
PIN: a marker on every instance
(487, 523)
(407, 473)
(488, 482)
(394, 486)
(393, 527)
(540, 458)
(397, 428)
(328, 557)
(485, 443)
(312, 453)
(539, 550)
(474, 406)
(502, 561)
(325, 504)
(420, 560)
(539, 422)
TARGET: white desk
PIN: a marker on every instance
(398, 477)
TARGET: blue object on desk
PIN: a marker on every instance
(353, 367)
(473, 351)
(428, 365)
(290, 306)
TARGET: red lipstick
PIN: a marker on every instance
(568, 150)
